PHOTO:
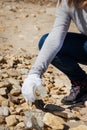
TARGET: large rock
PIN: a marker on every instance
(55, 122)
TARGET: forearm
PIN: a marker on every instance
(53, 42)
(50, 48)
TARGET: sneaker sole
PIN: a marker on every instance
(82, 99)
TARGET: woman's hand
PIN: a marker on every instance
(32, 88)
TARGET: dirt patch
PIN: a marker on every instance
(21, 26)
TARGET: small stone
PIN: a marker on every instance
(5, 103)
(15, 92)
(4, 128)
(24, 71)
(37, 28)
(33, 15)
(5, 75)
(10, 45)
(83, 111)
(2, 99)
(55, 122)
(11, 120)
(12, 73)
(16, 87)
(19, 109)
(14, 99)
(2, 119)
(3, 91)
(2, 59)
(81, 127)
(22, 37)
(20, 125)
(20, 118)
(4, 84)
(4, 111)
(84, 118)
(11, 128)
(15, 83)
(22, 49)
(10, 63)
(25, 106)
(50, 70)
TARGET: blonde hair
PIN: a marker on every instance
(76, 3)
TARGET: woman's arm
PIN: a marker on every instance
(54, 41)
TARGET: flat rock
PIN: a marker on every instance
(4, 111)
(15, 92)
(55, 122)
(3, 91)
(81, 127)
(11, 120)
(4, 84)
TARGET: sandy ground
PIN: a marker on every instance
(22, 24)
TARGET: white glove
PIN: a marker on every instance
(32, 88)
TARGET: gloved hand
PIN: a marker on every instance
(32, 88)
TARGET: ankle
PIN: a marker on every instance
(75, 83)
(80, 83)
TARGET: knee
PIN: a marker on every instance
(41, 41)
(85, 46)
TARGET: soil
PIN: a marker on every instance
(22, 23)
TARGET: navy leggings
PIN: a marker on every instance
(73, 51)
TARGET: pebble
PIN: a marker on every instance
(11, 120)
(5, 103)
(15, 65)
(4, 111)
(20, 125)
(3, 91)
(81, 127)
(55, 122)
(4, 84)
(15, 92)
(2, 120)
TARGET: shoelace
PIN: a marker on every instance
(74, 91)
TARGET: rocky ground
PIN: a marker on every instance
(21, 25)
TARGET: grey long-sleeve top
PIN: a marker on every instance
(54, 41)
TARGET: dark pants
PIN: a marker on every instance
(73, 51)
